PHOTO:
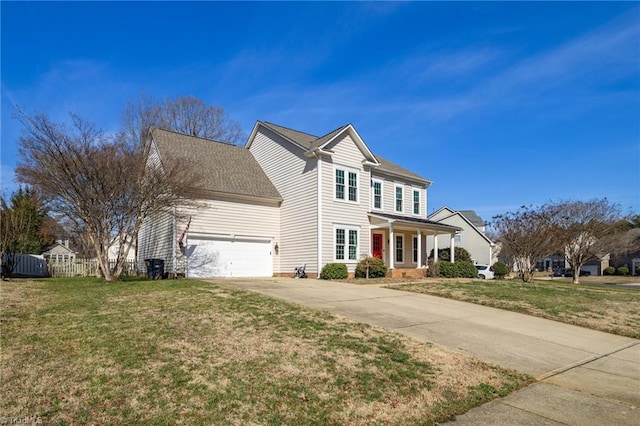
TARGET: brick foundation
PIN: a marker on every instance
(407, 273)
(292, 274)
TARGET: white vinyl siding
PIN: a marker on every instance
(156, 240)
(347, 156)
(377, 194)
(399, 198)
(407, 189)
(294, 176)
(416, 201)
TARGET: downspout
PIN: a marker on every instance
(319, 186)
(173, 245)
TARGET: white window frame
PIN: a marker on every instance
(346, 229)
(399, 252)
(413, 202)
(395, 198)
(373, 194)
(414, 248)
(346, 171)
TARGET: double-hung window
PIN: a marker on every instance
(399, 248)
(399, 193)
(377, 194)
(415, 249)
(346, 244)
(346, 185)
(416, 201)
(339, 184)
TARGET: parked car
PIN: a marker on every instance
(485, 272)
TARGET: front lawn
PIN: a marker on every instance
(612, 310)
(79, 351)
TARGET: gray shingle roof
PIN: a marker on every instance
(310, 141)
(472, 217)
(226, 168)
(301, 138)
(389, 166)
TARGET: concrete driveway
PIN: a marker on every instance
(585, 377)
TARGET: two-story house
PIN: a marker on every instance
(288, 199)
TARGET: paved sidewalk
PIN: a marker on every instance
(585, 377)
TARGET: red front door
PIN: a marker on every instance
(377, 246)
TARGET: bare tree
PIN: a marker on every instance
(187, 114)
(585, 229)
(101, 184)
(525, 235)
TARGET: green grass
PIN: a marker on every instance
(612, 310)
(165, 352)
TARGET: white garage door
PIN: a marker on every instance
(228, 258)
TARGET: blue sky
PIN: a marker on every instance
(499, 104)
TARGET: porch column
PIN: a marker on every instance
(435, 248)
(453, 251)
(392, 246)
(419, 248)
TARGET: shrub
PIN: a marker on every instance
(500, 270)
(377, 268)
(622, 270)
(334, 271)
(609, 271)
(457, 269)
(447, 269)
(461, 254)
(466, 269)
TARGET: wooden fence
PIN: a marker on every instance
(36, 266)
(85, 267)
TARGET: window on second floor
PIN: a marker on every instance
(377, 194)
(416, 201)
(348, 179)
(399, 191)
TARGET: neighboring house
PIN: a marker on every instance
(60, 252)
(630, 257)
(594, 266)
(115, 247)
(472, 237)
(290, 199)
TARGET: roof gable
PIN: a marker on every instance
(473, 217)
(446, 213)
(312, 143)
(227, 168)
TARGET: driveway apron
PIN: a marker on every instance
(585, 377)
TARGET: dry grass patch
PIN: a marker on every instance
(81, 351)
(612, 310)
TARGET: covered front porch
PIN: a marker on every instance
(402, 242)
